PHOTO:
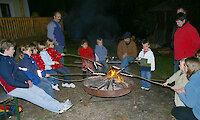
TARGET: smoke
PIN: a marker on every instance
(91, 20)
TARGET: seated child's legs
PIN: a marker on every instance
(104, 65)
(64, 70)
(52, 80)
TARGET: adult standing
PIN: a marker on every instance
(126, 51)
(176, 62)
(186, 38)
(55, 33)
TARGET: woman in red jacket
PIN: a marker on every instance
(186, 38)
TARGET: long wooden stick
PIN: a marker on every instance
(83, 58)
(71, 74)
(149, 80)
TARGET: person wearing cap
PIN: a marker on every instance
(126, 51)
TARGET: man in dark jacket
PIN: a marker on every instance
(54, 32)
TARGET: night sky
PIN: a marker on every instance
(111, 18)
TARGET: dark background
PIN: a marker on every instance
(152, 19)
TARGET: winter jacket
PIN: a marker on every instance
(186, 41)
(39, 61)
(130, 49)
(150, 59)
(47, 60)
(55, 57)
(192, 94)
(180, 81)
(100, 53)
(55, 33)
(30, 68)
(87, 53)
(10, 75)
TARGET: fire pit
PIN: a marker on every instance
(110, 86)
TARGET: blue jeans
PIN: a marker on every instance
(147, 75)
(52, 80)
(45, 84)
(60, 50)
(99, 69)
(176, 65)
(37, 96)
(125, 62)
(64, 70)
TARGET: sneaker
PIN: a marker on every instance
(143, 88)
(65, 85)
(67, 105)
(55, 87)
(72, 85)
(147, 89)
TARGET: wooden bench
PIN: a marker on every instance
(8, 100)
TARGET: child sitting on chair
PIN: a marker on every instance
(87, 52)
(55, 56)
(41, 65)
(30, 68)
(17, 84)
(100, 55)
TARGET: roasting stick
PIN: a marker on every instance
(84, 58)
(115, 67)
(68, 80)
(131, 75)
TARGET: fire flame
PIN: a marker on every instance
(113, 74)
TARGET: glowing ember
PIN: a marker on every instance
(113, 74)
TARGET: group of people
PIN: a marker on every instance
(186, 42)
(31, 79)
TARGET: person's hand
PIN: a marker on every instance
(57, 62)
(179, 91)
(137, 58)
(62, 54)
(125, 55)
(47, 75)
(165, 84)
(30, 84)
(57, 43)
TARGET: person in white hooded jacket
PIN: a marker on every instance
(147, 63)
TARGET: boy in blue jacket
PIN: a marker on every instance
(101, 54)
(30, 68)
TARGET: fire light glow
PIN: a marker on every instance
(113, 74)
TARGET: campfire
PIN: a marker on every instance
(110, 86)
(110, 82)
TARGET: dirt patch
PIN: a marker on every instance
(155, 104)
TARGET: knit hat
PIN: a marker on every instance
(126, 35)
